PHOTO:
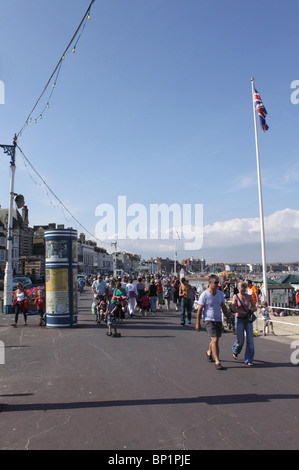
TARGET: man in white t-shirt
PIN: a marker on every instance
(99, 287)
(211, 304)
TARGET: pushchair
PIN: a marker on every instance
(101, 308)
(122, 305)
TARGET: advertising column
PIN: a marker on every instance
(61, 278)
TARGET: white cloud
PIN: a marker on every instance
(231, 238)
(242, 183)
(281, 226)
(287, 180)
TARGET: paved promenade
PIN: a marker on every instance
(151, 389)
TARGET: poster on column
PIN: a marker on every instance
(74, 251)
(75, 291)
(56, 251)
(57, 294)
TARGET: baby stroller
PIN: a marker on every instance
(122, 305)
(101, 308)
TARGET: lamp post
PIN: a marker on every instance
(7, 301)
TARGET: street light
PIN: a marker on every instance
(7, 301)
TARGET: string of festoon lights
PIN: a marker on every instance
(52, 82)
(51, 194)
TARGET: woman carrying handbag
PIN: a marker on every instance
(21, 303)
(243, 305)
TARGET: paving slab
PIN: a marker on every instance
(152, 389)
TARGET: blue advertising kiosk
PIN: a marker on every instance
(61, 278)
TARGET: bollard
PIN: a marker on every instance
(61, 278)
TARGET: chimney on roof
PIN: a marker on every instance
(25, 216)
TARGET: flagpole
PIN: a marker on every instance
(265, 288)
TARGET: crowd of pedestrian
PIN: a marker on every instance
(147, 296)
(114, 298)
(124, 295)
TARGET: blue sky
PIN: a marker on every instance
(156, 105)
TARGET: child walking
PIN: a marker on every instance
(116, 309)
(265, 311)
(145, 303)
(112, 320)
(40, 301)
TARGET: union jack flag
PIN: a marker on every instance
(259, 106)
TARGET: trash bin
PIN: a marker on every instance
(61, 278)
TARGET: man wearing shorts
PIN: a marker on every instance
(211, 305)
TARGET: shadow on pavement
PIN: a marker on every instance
(209, 400)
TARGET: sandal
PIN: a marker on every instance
(235, 356)
(218, 366)
(209, 357)
(108, 334)
(116, 335)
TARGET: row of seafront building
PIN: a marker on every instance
(28, 251)
(28, 255)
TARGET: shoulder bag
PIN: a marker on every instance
(250, 316)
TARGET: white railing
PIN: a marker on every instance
(279, 321)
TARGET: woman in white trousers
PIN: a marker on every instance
(132, 295)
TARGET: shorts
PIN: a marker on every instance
(214, 328)
(112, 315)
